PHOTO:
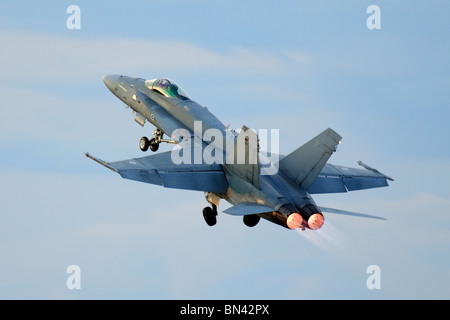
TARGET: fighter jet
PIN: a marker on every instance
(226, 164)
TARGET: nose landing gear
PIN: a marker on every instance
(154, 142)
(144, 144)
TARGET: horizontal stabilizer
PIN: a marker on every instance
(246, 208)
(350, 213)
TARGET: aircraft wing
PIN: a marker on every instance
(188, 171)
(159, 169)
(335, 179)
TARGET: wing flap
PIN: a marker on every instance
(360, 183)
(335, 179)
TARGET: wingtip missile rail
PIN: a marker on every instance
(103, 163)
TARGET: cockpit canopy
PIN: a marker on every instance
(167, 88)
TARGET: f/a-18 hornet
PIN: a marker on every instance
(225, 164)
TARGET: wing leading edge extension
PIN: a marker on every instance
(159, 169)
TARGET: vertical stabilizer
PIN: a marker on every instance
(305, 163)
(243, 159)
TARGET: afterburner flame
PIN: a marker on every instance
(294, 220)
(315, 221)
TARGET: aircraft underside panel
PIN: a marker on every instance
(210, 181)
(160, 170)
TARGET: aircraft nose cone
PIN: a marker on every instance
(110, 80)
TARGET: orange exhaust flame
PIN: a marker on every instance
(315, 221)
(294, 221)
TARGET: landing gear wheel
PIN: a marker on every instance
(210, 216)
(144, 143)
(251, 220)
(154, 145)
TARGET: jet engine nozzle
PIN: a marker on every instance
(312, 217)
(294, 220)
(315, 221)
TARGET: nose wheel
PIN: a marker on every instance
(144, 144)
(153, 143)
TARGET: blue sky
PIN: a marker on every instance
(300, 67)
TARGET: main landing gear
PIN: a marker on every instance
(251, 220)
(210, 215)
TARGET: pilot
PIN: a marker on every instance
(170, 89)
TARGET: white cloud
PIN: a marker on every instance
(47, 57)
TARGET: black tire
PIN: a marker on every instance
(251, 220)
(210, 216)
(154, 145)
(144, 143)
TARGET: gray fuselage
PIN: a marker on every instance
(275, 191)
